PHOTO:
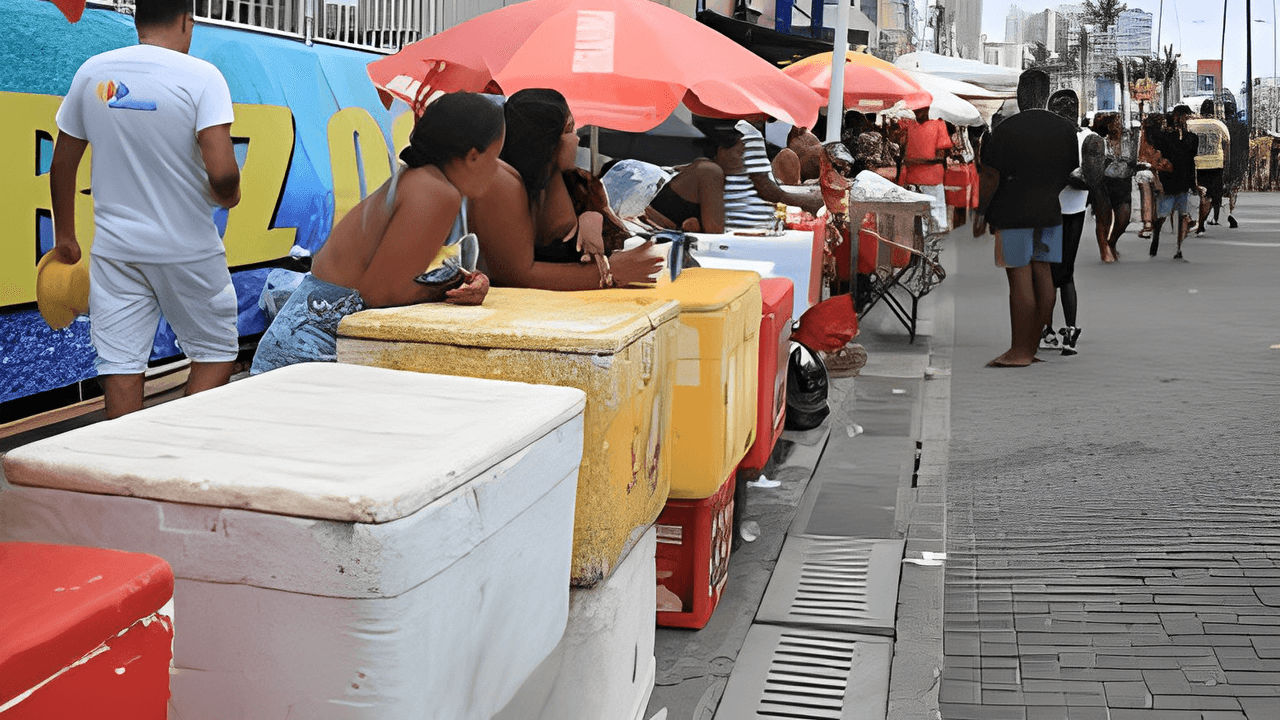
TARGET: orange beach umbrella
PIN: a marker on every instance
(621, 64)
(870, 84)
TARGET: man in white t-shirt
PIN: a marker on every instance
(159, 122)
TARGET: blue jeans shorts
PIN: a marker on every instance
(1022, 245)
(1169, 203)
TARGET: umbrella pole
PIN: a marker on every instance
(835, 99)
(595, 149)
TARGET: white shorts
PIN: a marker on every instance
(127, 299)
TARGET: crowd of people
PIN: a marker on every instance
(492, 194)
(1042, 168)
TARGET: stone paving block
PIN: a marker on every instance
(1253, 678)
(1081, 712)
(1086, 699)
(1128, 694)
(1046, 713)
(1196, 702)
(1131, 662)
(1077, 659)
(958, 711)
(1259, 708)
(1100, 674)
(1002, 697)
(1000, 675)
(961, 691)
(1166, 682)
(1133, 714)
(1222, 715)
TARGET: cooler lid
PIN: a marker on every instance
(599, 322)
(707, 290)
(777, 292)
(318, 440)
(61, 601)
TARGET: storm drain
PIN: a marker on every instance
(808, 674)
(835, 583)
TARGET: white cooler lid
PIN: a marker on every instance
(318, 440)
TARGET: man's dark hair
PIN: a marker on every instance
(150, 13)
(718, 134)
(1033, 90)
(1206, 108)
(1066, 103)
(1181, 110)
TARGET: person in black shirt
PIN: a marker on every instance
(1026, 163)
(1178, 145)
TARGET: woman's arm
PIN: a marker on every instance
(710, 177)
(502, 220)
(421, 219)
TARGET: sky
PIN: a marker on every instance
(1193, 27)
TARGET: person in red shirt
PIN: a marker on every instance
(925, 162)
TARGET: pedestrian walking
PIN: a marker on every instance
(1212, 156)
(1238, 163)
(1073, 198)
(1025, 165)
(1178, 145)
(1113, 199)
(1149, 163)
(159, 123)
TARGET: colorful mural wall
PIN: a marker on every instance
(311, 137)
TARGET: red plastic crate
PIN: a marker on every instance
(777, 295)
(694, 538)
(81, 634)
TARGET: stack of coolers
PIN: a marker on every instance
(777, 298)
(620, 349)
(714, 423)
(348, 542)
(84, 632)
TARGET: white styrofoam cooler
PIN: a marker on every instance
(348, 542)
(604, 667)
(792, 254)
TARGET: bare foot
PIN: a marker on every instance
(1010, 360)
(1108, 257)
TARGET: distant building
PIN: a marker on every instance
(1133, 33)
(963, 19)
(1005, 54)
(897, 34)
(1208, 77)
(1015, 25)
(1048, 28)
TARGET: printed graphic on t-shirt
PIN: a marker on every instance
(115, 95)
(1210, 141)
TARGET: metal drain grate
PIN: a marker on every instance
(808, 675)
(834, 582)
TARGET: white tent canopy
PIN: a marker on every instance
(946, 104)
(994, 78)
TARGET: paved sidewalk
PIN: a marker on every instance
(1114, 518)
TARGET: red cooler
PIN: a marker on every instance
(694, 539)
(775, 343)
(82, 635)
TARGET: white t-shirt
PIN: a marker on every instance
(743, 207)
(1074, 200)
(140, 108)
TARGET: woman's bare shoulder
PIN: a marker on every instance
(428, 181)
(506, 189)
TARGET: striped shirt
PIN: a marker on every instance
(743, 207)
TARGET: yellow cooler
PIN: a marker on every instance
(619, 348)
(714, 413)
